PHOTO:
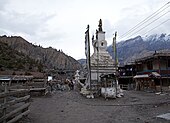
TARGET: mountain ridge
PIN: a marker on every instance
(136, 47)
(51, 58)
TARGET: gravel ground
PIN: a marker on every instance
(71, 107)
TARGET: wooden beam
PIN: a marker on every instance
(19, 116)
(13, 102)
(9, 93)
(14, 112)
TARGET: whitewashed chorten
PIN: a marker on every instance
(101, 60)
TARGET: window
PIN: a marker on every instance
(168, 62)
(102, 44)
(149, 65)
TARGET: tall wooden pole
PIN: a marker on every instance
(115, 51)
(87, 43)
(160, 74)
(97, 60)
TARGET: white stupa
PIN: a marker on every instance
(101, 60)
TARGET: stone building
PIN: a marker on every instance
(154, 67)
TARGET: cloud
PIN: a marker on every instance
(61, 24)
(3, 3)
(134, 14)
(22, 22)
(3, 32)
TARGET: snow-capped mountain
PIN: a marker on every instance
(137, 47)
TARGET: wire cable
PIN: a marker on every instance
(148, 24)
(145, 20)
(156, 26)
(139, 25)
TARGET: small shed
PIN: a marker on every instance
(109, 86)
(107, 80)
(146, 81)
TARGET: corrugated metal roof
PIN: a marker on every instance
(153, 74)
(16, 77)
(141, 76)
(5, 78)
(156, 74)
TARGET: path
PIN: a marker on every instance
(71, 107)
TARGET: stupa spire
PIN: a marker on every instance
(100, 25)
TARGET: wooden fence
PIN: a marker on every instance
(123, 86)
(36, 88)
(13, 105)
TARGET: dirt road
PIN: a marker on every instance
(71, 107)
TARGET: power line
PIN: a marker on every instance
(149, 24)
(145, 20)
(139, 25)
(156, 26)
(149, 17)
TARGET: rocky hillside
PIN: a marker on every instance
(139, 46)
(50, 58)
(13, 60)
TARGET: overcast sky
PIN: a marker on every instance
(61, 23)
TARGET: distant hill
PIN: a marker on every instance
(19, 50)
(131, 49)
(82, 61)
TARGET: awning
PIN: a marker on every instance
(155, 74)
(5, 78)
(141, 76)
(107, 76)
